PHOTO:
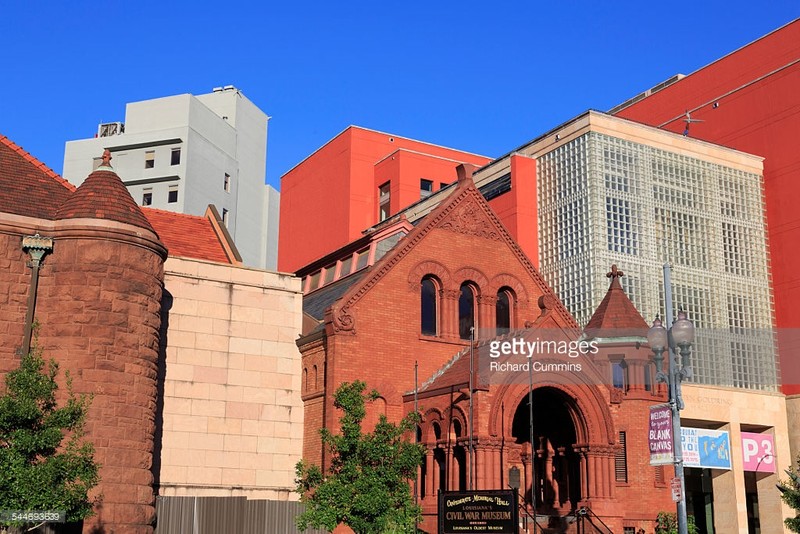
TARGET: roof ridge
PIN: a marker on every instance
(37, 163)
(340, 313)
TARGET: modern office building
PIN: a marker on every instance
(181, 153)
(748, 100)
(609, 190)
(357, 179)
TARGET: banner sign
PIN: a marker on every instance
(660, 435)
(462, 512)
(709, 449)
(758, 452)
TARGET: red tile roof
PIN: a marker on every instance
(187, 236)
(29, 187)
(616, 316)
(103, 196)
(32, 189)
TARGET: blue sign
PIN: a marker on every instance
(710, 449)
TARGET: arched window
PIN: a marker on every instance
(466, 310)
(428, 300)
(457, 428)
(437, 431)
(503, 309)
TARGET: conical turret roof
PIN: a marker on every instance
(616, 316)
(103, 196)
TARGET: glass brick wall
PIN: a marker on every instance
(605, 200)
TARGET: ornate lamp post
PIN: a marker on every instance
(680, 337)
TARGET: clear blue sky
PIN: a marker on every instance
(484, 77)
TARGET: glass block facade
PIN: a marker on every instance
(605, 200)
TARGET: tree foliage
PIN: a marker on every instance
(790, 493)
(367, 484)
(45, 462)
(667, 523)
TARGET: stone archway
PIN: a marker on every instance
(554, 484)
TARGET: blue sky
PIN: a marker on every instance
(479, 76)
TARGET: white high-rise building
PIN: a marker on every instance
(181, 153)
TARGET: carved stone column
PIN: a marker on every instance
(429, 476)
(584, 472)
(495, 468)
(449, 316)
(452, 470)
(485, 468)
(594, 478)
(487, 318)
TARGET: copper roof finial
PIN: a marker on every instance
(615, 273)
(106, 158)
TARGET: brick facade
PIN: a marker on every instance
(372, 333)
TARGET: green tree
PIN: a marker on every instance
(790, 493)
(367, 485)
(45, 462)
(667, 523)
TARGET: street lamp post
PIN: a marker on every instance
(677, 340)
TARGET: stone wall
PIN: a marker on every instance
(98, 314)
(232, 414)
(15, 279)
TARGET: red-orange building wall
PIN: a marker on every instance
(332, 196)
(518, 208)
(750, 100)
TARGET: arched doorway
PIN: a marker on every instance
(556, 486)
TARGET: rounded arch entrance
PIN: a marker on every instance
(567, 428)
(556, 464)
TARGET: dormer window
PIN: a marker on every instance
(362, 259)
(347, 264)
(330, 271)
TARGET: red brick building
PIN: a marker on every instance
(406, 295)
(354, 181)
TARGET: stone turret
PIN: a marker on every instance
(98, 310)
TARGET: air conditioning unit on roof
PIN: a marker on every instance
(110, 128)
